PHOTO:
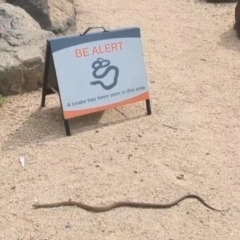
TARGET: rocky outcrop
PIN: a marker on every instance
(57, 16)
(24, 27)
(22, 48)
(237, 19)
(221, 1)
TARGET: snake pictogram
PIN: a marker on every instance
(100, 63)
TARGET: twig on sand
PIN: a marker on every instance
(170, 127)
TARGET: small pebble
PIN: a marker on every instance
(180, 176)
(68, 225)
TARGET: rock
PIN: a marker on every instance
(180, 176)
(22, 50)
(237, 19)
(57, 16)
(222, 1)
(37, 9)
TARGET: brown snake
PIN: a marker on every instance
(125, 204)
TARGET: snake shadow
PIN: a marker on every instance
(46, 124)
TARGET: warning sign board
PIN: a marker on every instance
(97, 71)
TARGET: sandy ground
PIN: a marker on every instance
(192, 59)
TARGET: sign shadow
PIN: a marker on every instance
(45, 125)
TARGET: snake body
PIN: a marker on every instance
(124, 204)
(101, 63)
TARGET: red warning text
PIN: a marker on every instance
(97, 50)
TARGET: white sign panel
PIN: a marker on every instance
(99, 71)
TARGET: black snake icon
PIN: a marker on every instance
(101, 63)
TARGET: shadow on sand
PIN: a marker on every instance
(229, 40)
(46, 124)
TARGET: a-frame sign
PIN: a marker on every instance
(95, 71)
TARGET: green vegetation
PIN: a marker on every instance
(2, 99)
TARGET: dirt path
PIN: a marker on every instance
(192, 58)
